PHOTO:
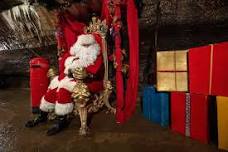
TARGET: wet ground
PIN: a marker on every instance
(137, 135)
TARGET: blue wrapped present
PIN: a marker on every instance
(156, 106)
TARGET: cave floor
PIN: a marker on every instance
(137, 135)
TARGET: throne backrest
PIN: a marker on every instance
(98, 27)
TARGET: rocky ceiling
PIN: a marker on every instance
(155, 12)
(11, 39)
(7, 4)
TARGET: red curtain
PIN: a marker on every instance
(126, 105)
(132, 83)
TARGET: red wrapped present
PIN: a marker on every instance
(208, 69)
(219, 71)
(189, 115)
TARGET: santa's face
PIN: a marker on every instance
(85, 56)
(86, 45)
(87, 51)
(84, 52)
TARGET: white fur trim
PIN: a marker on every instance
(82, 39)
(46, 106)
(67, 83)
(63, 109)
(69, 61)
(68, 64)
(54, 83)
(66, 70)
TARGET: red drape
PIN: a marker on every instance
(119, 76)
(126, 101)
(132, 83)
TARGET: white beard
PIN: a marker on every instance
(87, 56)
(84, 57)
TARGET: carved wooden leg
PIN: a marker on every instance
(83, 118)
(81, 96)
(107, 92)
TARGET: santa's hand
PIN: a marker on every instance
(80, 73)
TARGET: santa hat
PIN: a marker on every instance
(84, 39)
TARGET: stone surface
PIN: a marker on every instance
(137, 135)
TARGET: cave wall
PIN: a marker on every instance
(191, 12)
(181, 24)
(14, 67)
(184, 21)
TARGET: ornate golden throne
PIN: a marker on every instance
(86, 102)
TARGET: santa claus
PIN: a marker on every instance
(72, 19)
(85, 53)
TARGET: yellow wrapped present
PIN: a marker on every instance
(222, 108)
(172, 71)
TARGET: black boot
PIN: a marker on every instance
(40, 118)
(60, 124)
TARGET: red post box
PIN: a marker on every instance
(38, 81)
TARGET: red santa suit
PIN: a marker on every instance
(58, 96)
(85, 53)
(48, 100)
(67, 33)
(90, 58)
(68, 30)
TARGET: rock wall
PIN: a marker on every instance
(14, 67)
(191, 12)
(182, 24)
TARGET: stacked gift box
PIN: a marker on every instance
(156, 106)
(195, 82)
